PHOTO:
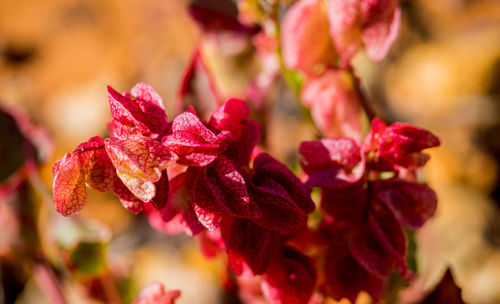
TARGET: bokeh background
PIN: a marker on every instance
(443, 73)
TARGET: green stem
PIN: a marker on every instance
(288, 75)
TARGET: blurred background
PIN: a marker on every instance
(443, 73)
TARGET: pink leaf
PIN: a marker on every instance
(305, 39)
(208, 219)
(177, 215)
(155, 294)
(184, 221)
(382, 21)
(146, 93)
(335, 105)
(345, 28)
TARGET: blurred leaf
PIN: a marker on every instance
(127, 289)
(88, 258)
(15, 149)
(294, 79)
(445, 292)
(396, 282)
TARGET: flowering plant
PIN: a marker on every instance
(207, 176)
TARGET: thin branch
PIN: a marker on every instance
(2, 291)
(367, 107)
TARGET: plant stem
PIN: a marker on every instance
(48, 282)
(370, 112)
(109, 288)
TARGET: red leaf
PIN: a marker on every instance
(289, 279)
(283, 200)
(141, 114)
(345, 277)
(318, 154)
(177, 215)
(70, 194)
(412, 203)
(177, 197)
(221, 189)
(331, 162)
(193, 143)
(346, 205)
(161, 197)
(398, 145)
(277, 216)
(248, 245)
(95, 162)
(268, 173)
(127, 198)
(231, 116)
(379, 242)
(199, 191)
(404, 139)
(240, 150)
(139, 161)
(210, 19)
